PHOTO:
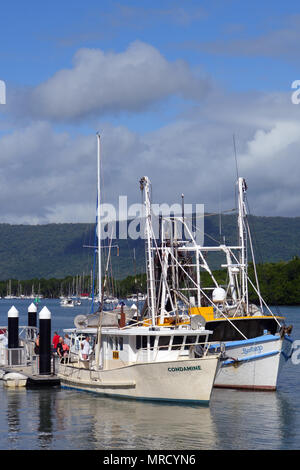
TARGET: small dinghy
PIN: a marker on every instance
(14, 379)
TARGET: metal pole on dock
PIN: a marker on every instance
(32, 318)
(45, 341)
(13, 328)
(32, 311)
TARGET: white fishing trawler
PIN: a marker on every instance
(257, 341)
(147, 360)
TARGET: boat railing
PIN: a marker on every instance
(192, 349)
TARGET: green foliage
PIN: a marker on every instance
(279, 282)
(49, 256)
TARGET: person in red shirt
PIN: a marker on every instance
(55, 340)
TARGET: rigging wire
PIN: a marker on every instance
(257, 247)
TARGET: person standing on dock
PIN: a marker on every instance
(67, 340)
(37, 345)
(59, 348)
(55, 341)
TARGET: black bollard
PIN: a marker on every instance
(45, 341)
(13, 336)
(32, 321)
(32, 310)
(13, 328)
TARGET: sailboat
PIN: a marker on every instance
(147, 362)
(257, 341)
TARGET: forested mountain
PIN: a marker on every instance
(59, 250)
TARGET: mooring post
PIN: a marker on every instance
(13, 336)
(32, 319)
(13, 328)
(45, 341)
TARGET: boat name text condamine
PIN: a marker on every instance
(183, 369)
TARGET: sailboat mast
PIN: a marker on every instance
(242, 187)
(98, 219)
(145, 186)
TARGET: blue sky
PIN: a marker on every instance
(37, 39)
(167, 83)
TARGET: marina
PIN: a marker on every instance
(149, 231)
(187, 343)
(184, 344)
(44, 419)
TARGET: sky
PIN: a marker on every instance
(169, 85)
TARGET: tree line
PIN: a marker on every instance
(279, 284)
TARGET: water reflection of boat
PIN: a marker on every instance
(134, 424)
(45, 419)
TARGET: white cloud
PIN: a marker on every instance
(40, 168)
(110, 82)
(50, 176)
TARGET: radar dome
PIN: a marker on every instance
(218, 295)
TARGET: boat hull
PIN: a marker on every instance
(189, 380)
(254, 364)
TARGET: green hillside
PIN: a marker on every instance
(57, 250)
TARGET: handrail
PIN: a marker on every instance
(179, 347)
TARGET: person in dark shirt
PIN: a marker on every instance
(59, 347)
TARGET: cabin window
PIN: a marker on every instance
(115, 343)
(177, 342)
(119, 343)
(141, 342)
(164, 342)
(190, 340)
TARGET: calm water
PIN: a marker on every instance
(56, 419)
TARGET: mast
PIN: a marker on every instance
(98, 219)
(145, 186)
(242, 188)
(98, 340)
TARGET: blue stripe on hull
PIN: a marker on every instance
(172, 400)
(246, 342)
(249, 358)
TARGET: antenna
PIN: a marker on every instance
(182, 212)
(236, 164)
(220, 217)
